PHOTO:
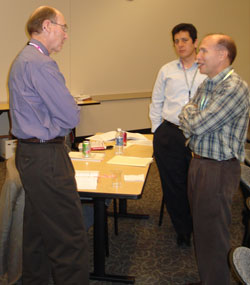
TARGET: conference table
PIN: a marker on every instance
(105, 190)
(4, 107)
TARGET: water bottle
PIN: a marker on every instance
(119, 142)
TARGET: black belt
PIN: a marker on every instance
(35, 140)
(194, 155)
(171, 124)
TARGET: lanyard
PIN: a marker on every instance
(204, 97)
(192, 82)
(37, 47)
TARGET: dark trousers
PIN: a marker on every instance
(211, 185)
(54, 237)
(172, 158)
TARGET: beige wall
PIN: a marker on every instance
(118, 46)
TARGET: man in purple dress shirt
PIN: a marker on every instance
(43, 112)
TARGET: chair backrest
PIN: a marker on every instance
(248, 203)
(240, 263)
(12, 199)
(12, 172)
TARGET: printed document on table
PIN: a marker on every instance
(109, 136)
(95, 157)
(140, 142)
(130, 160)
(86, 179)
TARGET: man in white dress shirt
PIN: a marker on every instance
(176, 83)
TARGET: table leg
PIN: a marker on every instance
(124, 214)
(99, 247)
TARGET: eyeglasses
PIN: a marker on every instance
(64, 27)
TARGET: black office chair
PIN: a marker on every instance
(12, 200)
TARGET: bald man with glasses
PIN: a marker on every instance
(43, 112)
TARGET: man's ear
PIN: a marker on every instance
(223, 54)
(46, 26)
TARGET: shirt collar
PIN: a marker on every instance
(179, 64)
(43, 48)
(216, 79)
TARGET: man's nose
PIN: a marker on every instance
(198, 56)
(181, 43)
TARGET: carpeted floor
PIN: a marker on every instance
(147, 251)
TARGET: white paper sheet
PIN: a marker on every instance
(130, 160)
(109, 136)
(86, 179)
(140, 142)
(95, 157)
(134, 178)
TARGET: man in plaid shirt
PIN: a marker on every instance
(215, 124)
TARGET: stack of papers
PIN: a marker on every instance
(130, 160)
(95, 157)
(80, 98)
(109, 136)
(86, 179)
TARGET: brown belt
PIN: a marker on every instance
(35, 140)
(194, 155)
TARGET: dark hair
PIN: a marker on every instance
(186, 28)
(229, 44)
(35, 22)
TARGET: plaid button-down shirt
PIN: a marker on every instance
(215, 121)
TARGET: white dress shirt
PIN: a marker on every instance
(171, 92)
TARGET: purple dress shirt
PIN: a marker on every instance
(41, 106)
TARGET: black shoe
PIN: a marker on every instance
(183, 240)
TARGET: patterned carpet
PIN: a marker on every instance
(147, 251)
